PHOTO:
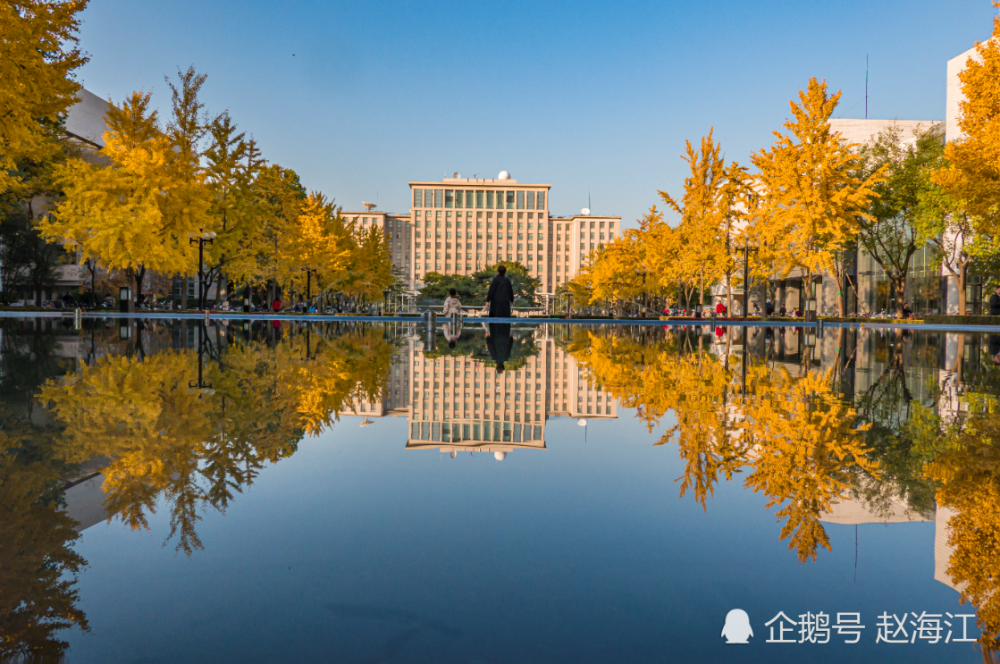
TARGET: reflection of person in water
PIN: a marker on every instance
(994, 347)
(452, 335)
(499, 340)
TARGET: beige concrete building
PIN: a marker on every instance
(462, 225)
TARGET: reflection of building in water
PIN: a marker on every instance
(849, 512)
(458, 403)
(942, 549)
(883, 372)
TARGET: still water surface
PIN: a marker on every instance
(284, 492)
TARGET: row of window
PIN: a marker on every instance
(426, 214)
(468, 198)
(599, 225)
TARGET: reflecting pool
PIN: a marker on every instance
(279, 491)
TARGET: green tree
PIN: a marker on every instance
(437, 286)
(887, 232)
(524, 284)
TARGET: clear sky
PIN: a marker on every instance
(596, 98)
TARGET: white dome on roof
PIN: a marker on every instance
(499, 456)
(504, 175)
(585, 212)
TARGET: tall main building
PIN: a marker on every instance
(461, 225)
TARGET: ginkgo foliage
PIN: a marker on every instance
(118, 215)
(38, 54)
(810, 190)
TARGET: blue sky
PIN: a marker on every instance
(593, 97)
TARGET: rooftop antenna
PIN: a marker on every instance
(866, 87)
(589, 206)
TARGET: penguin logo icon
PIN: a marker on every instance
(737, 628)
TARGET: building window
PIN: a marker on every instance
(479, 199)
(438, 198)
(468, 199)
(449, 198)
(531, 200)
(510, 200)
(520, 200)
(418, 198)
(540, 201)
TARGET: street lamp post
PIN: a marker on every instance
(205, 237)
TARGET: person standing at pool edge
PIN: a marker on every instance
(995, 302)
(500, 297)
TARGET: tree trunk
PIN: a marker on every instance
(129, 280)
(701, 289)
(184, 293)
(841, 290)
(140, 275)
(807, 313)
(963, 271)
(729, 294)
(900, 285)
(221, 292)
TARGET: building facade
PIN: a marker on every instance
(462, 225)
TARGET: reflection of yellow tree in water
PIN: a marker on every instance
(794, 435)
(656, 376)
(805, 450)
(197, 446)
(37, 589)
(968, 473)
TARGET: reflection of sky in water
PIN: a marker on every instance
(579, 553)
(356, 549)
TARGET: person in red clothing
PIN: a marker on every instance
(276, 305)
(720, 309)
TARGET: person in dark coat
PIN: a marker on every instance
(995, 302)
(499, 341)
(501, 295)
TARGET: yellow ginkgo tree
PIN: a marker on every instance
(38, 53)
(810, 192)
(124, 216)
(972, 174)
